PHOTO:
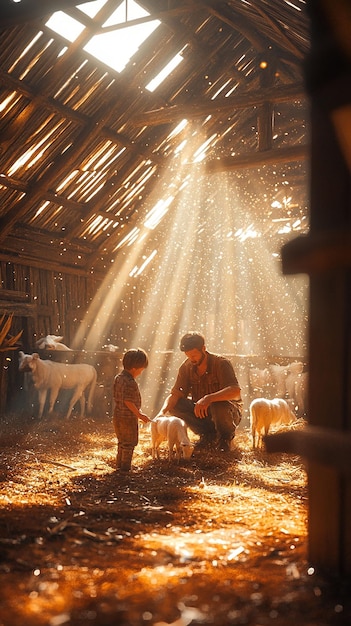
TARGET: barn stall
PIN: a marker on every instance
(131, 212)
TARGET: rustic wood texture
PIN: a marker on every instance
(83, 146)
(325, 255)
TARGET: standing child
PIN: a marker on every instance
(127, 400)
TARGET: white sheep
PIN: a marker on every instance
(265, 413)
(173, 430)
(52, 342)
(297, 387)
(260, 380)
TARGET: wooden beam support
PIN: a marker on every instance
(322, 445)
(257, 159)
(310, 254)
(218, 107)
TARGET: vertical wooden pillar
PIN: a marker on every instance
(265, 111)
(329, 347)
(328, 71)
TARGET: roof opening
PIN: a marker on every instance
(114, 48)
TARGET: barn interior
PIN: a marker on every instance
(186, 158)
(168, 166)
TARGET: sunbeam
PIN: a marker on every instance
(214, 266)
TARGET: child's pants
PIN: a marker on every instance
(124, 457)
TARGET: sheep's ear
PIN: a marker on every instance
(35, 355)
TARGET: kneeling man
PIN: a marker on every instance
(206, 394)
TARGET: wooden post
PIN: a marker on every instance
(328, 72)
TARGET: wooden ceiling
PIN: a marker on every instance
(83, 146)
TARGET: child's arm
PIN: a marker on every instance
(131, 406)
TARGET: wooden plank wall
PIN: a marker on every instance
(49, 302)
(55, 302)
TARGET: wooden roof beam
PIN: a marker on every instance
(257, 159)
(167, 115)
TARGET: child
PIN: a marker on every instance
(127, 406)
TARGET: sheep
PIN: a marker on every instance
(264, 413)
(173, 430)
(52, 342)
(260, 380)
(49, 377)
(296, 386)
(279, 374)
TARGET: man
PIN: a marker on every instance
(206, 394)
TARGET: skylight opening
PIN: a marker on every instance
(91, 8)
(114, 48)
(65, 25)
(166, 71)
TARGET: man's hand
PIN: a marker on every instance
(201, 407)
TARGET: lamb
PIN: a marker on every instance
(265, 413)
(52, 342)
(173, 430)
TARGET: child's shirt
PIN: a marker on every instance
(125, 387)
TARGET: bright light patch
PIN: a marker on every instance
(92, 8)
(221, 89)
(201, 152)
(180, 147)
(42, 208)
(162, 75)
(156, 214)
(130, 238)
(114, 48)
(178, 129)
(64, 25)
(6, 103)
(246, 233)
(136, 272)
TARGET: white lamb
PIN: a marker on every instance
(52, 342)
(173, 430)
(265, 413)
